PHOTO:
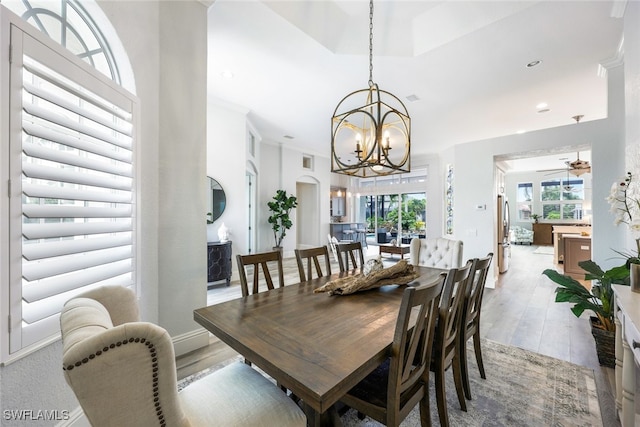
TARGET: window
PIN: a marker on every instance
(448, 194)
(393, 216)
(251, 144)
(72, 181)
(524, 199)
(562, 198)
(68, 23)
(307, 161)
(380, 206)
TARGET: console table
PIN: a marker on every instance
(394, 249)
(219, 261)
(627, 309)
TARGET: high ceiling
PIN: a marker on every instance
(465, 61)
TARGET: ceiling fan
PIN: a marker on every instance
(576, 167)
(567, 187)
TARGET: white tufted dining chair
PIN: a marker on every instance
(438, 252)
(123, 373)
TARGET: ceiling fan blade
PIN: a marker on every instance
(552, 170)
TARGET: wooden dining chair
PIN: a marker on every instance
(471, 323)
(312, 255)
(391, 392)
(257, 261)
(349, 251)
(447, 340)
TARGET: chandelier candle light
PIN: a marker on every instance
(370, 129)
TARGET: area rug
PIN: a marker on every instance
(522, 389)
(544, 250)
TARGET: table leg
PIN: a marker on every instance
(329, 418)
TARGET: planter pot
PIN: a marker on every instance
(605, 344)
(278, 248)
(634, 278)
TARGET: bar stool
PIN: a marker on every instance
(348, 235)
(361, 236)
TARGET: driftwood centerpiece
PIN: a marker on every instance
(398, 274)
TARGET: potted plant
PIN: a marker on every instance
(535, 218)
(599, 300)
(280, 207)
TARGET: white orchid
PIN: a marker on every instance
(625, 206)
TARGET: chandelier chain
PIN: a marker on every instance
(370, 43)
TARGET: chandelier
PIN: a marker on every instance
(370, 129)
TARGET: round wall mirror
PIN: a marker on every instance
(217, 200)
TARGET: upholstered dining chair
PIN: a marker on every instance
(312, 256)
(390, 392)
(471, 323)
(446, 345)
(257, 261)
(123, 373)
(350, 251)
(438, 252)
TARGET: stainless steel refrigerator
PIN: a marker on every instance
(504, 246)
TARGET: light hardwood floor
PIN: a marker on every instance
(520, 311)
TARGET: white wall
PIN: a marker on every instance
(281, 168)
(474, 175)
(632, 96)
(182, 166)
(227, 164)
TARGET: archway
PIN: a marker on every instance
(307, 212)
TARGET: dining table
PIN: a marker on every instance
(316, 345)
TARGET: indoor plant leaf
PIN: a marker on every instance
(280, 207)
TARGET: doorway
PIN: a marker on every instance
(544, 191)
(307, 213)
(250, 192)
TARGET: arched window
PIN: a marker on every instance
(68, 23)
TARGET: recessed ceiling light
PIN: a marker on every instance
(288, 137)
(227, 74)
(413, 98)
(541, 106)
(521, 131)
(534, 63)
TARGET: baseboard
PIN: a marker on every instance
(190, 341)
(76, 419)
(490, 282)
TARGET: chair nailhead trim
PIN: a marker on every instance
(154, 364)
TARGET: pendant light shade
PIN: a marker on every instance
(370, 130)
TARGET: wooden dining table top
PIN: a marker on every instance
(316, 345)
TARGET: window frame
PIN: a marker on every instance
(520, 202)
(10, 211)
(561, 201)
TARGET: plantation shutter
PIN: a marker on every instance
(72, 196)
